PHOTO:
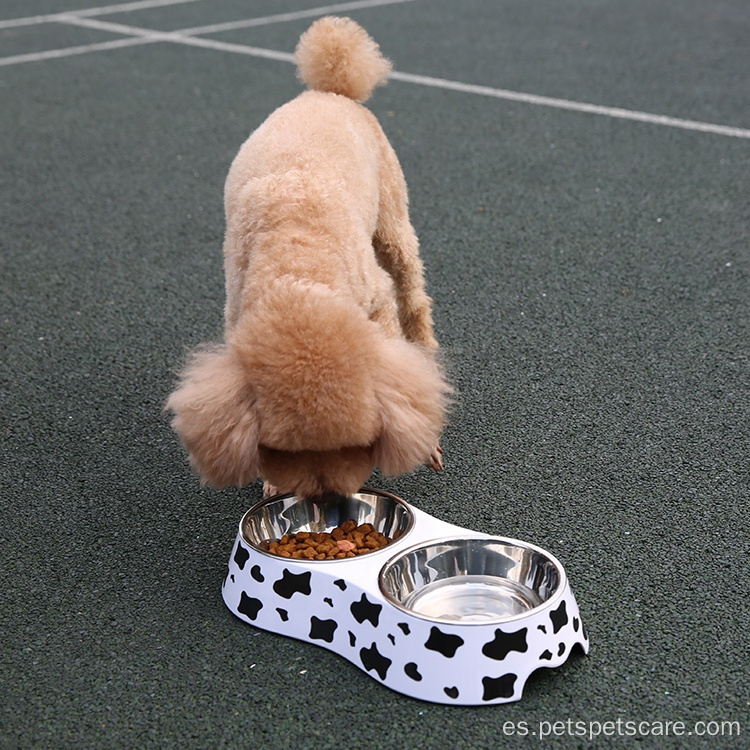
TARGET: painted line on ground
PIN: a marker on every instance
(291, 16)
(178, 37)
(100, 11)
(139, 36)
(208, 29)
(573, 106)
(136, 35)
(84, 49)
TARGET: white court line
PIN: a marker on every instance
(130, 7)
(101, 11)
(54, 54)
(238, 49)
(133, 36)
(593, 109)
(144, 36)
(138, 36)
(76, 19)
(178, 37)
(292, 16)
(212, 28)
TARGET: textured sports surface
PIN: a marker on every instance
(578, 174)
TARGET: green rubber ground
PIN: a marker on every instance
(590, 278)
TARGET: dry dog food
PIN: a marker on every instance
(347, 540)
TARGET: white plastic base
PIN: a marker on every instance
(339, 605)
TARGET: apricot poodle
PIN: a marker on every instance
(328, 367)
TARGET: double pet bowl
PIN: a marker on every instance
(442, 613)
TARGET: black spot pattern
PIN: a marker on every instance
(249, 606)
(444, 643)
(341, 583)
(352, 639)
(405, 628)
(559, 618)
(504, 643)
(547, 655)
(412, 671)
(283, 614)
(231, 577)
(543, 628)
(392, 638)
(498, 687)
(366, 610)
(373, 659)
(561, 649)
(451, 692)
(576, 624)
(241, 556)
(256, 574)
(328, 601)
(292, 583)
(322, 630)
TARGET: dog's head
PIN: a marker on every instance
(311, 395)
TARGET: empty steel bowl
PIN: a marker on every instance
(472, 580)
(288, 514)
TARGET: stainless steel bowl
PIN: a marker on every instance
(288, 514)
(471, 580)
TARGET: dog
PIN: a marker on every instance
(328, 367)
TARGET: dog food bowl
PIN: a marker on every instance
(284, 514)
(442, 613)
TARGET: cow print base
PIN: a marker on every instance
(338, 605)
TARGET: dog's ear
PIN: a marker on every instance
(216, 419)
(413, 398)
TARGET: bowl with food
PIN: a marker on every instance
(427, 608)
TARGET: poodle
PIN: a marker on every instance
(328, 368)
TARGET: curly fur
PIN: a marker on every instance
(328, 367)
(336, 54)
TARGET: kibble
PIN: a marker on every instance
(346, 540)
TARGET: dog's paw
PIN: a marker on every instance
(269, 490)
(436, 459)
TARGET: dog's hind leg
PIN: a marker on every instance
(397, 250)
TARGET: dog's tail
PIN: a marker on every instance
(337, 55)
